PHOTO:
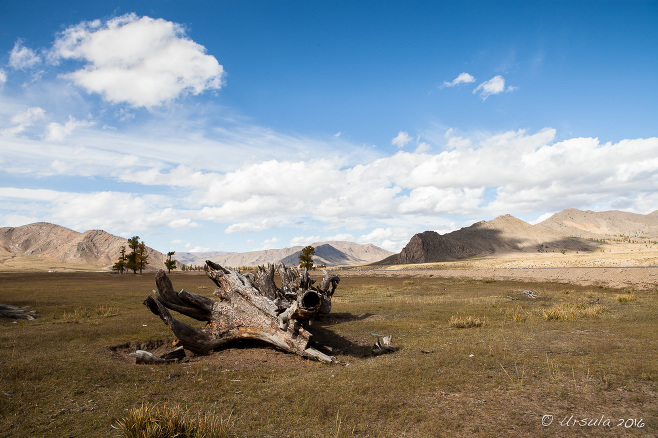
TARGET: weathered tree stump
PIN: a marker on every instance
(248, 307)
(14, 312)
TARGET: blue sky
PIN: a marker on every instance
(243, 125)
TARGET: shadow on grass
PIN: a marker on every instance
(325, 339)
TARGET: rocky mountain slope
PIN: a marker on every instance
(570, 230)
(326, 253)
(198, 258)
(605, 224)
(45, 242)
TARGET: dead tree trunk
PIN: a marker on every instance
(248, 307)
(7, 311)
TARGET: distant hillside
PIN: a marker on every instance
(340, 254)
(198, 258)
(57, 245)
(326, 253)
(573, 222)
(568, 230)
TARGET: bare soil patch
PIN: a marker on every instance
(617, 278)
(616, 266)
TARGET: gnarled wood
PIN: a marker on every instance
(146, 357)
(14, 312)
(246, 308)
(383, 345)
(264, 281)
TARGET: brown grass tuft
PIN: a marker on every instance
(465, 322)
(626, 298)
(565, 311)
(152, 421)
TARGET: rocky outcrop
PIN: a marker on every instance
(430, 246)
(569, 230)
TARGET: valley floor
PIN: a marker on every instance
(615, 265)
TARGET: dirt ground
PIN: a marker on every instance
(641, 278)
(617, 266)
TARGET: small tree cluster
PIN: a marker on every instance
(136, 259)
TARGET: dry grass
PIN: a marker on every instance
(626, 298)
(457, 321)
(564, 311)
(153, 421)
(519, 317)
(498, 379)
(80, 314)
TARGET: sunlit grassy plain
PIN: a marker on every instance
(59, 376)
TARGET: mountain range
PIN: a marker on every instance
(571, 230)
(333, 253)
(44, 245)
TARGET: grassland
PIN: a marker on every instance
(68, 373)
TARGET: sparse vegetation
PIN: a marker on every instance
(564, 311)
(75, 379)
(626, 298)
(153, 421)
(79, 314)
(519, 316)
(457, 321)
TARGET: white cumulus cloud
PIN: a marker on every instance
(184, 223)
(304, 240)
(144, 62)
(463, 78)
(22, 58)
(270, 243)
(57, 132)
(495, 85)
(389, 238)
(401, 139)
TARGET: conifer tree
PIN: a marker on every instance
(137, 259)
(169, 263)
(120, 265)
(131, 261)
(142, 258)
(306, 258)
